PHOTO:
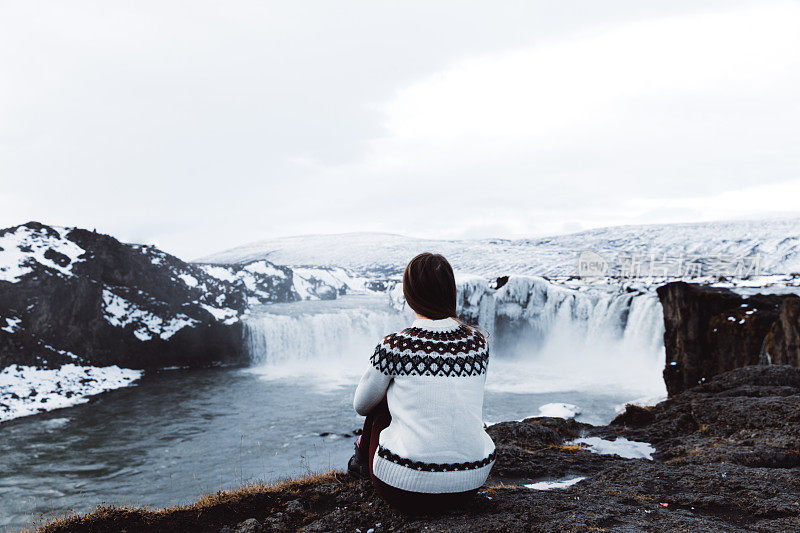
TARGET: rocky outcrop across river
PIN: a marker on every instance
(721, 456)
(709, 330)
(73, 296)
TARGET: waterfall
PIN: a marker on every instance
(547, 337)
(644, 329)
(539, 313)
(544, 337)
(319, 337)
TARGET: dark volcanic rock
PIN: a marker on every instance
(77, 296)
(710, 330)
(782, 343)
(531, 435)
(748, 416)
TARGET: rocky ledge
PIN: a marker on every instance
(721, 456)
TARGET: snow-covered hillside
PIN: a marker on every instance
(141, 290)
(81, 312)
(385, 255)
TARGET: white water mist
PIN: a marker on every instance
(550, 338)
(544, 338)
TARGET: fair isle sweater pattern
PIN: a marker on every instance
(416, 351)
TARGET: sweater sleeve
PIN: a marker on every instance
(372, 387)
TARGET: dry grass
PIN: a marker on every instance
(209, 512)
(570, 448)
(642, 497)
(500, 486)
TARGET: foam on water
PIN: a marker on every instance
(559, 410)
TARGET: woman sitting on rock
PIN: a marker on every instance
(423, 442)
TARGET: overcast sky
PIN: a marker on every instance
(202, 125)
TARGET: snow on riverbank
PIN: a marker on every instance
(26, 390)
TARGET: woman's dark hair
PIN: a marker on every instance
(429, 286)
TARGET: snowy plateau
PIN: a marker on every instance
(372, 254)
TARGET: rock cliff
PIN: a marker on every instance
(710, 330)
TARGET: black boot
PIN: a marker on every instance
(358, 466)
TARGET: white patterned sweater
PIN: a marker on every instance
(432, 375)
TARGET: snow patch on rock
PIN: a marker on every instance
(120, 312)
(261, 279)
(265, 268)
(309, 287)
(554, 484)
(12, 324)
(627, 449)
(188, 279)
(340, 279)
(226, 316)
(62, 352)
(221, 273)
(22, 246)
